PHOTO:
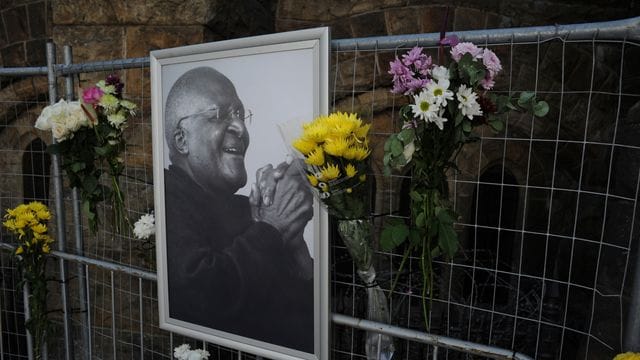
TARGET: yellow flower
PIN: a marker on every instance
(315, 131)
(39, 228)
(313, 180)
(357, 152)
(315, 157)
(350, 170)
(304, 145)
(349, 190)
(336, 146)
(627, 356)
(46, 249)
(362, 131)
(363, 178)
(36, 206)
(330, 172)
(43, 214)
(19, 250)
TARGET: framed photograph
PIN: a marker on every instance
(242, 248)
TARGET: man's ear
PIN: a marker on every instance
(180, 138)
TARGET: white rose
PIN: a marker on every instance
(75, 116)
(59, 128)
(440, 73)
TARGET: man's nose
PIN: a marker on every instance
(237, 126)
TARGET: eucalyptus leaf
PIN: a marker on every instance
(396, 147)
(525, 98)
(540, 109)
(496, 125)
(466, 125)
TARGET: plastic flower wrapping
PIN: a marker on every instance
(184, 352)
(29, 223)
(89, 137)
(446, 103)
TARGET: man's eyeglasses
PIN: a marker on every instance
(217, 115)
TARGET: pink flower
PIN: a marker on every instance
(487, 83)
(92, 95)
(411, 73)
(463, 48)
(491, 62)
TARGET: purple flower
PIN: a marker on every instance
(114, 79)
(463, 48)
(451, 40)
(411, 73)
(491, 62)
(487, 83)
(92, 95)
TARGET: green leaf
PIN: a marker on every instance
(447, 239)
(496, 125)
(444, 216)
(540, 109)
(407, 135)
(386, 158)
(458, 118)
(466, 126)
(396, 147)
(86, 208)
(432, 226)
(77, 166)
(102, 150)
(420, 219)
(395, 232)
(416, 196)
(89, 184)
(525, 98)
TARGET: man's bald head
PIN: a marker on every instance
(193, 93)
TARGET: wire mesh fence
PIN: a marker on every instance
(548, 209)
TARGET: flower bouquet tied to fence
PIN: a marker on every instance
(336, 152)
(29, 223)
(446, 104)
(89, 136)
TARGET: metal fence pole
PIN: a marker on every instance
(77, 226)
(59, 204)
(632, 331)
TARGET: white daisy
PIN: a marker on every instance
(439, 120)
(468, 102)
(425, 106)
(440, 91)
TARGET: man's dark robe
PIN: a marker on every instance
(229, 272)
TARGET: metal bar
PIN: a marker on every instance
(429, 339)
(632, 339)
(608, 30)
(113, 318)
(59, 204)
(141, 320)
(77, 221)
(86, 270)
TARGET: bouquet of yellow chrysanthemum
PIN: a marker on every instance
(627, 356)
(29, 223)
(336, 150)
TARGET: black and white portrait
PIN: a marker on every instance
(239, 237)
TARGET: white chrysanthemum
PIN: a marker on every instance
(198, 354)
(143, 229)
(117, 119)
(107, 89)
(181, 351)
(440, 73)
(424, 106)
(468, 102)
(439, 91)
(439, 120)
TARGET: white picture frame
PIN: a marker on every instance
(280, 79)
